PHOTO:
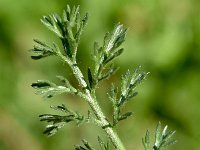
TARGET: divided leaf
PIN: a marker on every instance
(128, 85)
(86, 146)
(90, 78)
(58, 121)
(103, 145)
(125, 116)
(107, 72)
(51, 22)
(67, 84)
(108, 52)
(49, 89)
(115, 39)
(146, 141)
(42, 50)
(68, 28)
(163, 139)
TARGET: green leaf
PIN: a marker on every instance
(58, 121)
(61, 108)
(103, 146)
(90, 78)
(110, 71)
(106, 40)
(113, 95)
(125, 116)
(146, 141)
(120, 39)
(52, 129)
(163, 139)
(42, 84)
(96, 49)
(67, 84)
(115, 39)
(68, 11)
(51, 23)
(49, 89)
(86, 146)
(42, 50)
(73, 16)
(80, 27)
(129, 82)
(113, 55)
(158, 134)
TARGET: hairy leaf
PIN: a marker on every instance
(163, 139)
(58, 121)
(90, 78)
(129, 82)
(86, 146)
(103, 145)
(111, 40)
(125, 116)
(42, 50)
(49, 89)
(146, 141)
(51, 23)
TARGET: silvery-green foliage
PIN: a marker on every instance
(86, 146)
(58, 121)
(68, 28)
(163, 138)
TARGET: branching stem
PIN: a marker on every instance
(91, 99)
(69, 28)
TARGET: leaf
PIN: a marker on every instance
(102, 144)
(51, 24)
(58, 121)
(51, 130)
(42, 50)
(59, 23)
(90, 78)
(61, 108)
(146, 141)
(80, 27)
(49, 89)
(106, 40)
(125, 116)
(131, 95)
(96, 49)
(68, 12)
(42, 84)
(158, 134)
(67, 84)
(113, 55)
(87, 146)
(120, 39)
(111, 41)
(52, 91)
(128, 84)
(73, 16)
(163, 139)
(110, 71)
(113, 94)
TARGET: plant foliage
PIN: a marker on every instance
(68, 28)
(163, 138)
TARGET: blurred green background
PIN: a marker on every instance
(164, 38)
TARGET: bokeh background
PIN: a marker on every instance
(164, 38)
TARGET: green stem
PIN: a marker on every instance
(91, 99)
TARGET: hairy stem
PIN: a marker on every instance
(91, 99)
